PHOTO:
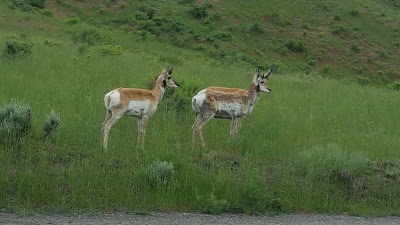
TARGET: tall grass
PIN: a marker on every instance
(253, 173)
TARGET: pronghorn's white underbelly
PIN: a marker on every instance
(231, 108)
(139, 108)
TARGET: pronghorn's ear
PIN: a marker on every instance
(257, 75)
(271, 70)
(170, 70)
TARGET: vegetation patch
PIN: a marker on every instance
(15, 121)
(15, 49)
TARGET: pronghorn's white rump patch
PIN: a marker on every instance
(197, 100)
(111, 99)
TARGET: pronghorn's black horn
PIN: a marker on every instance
(271, 70)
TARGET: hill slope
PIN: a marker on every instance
(353, 39)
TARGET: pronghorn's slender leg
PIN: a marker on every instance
(108, 117)
(234, 126)
(239, 124)
(194, 127)
(139, 122)
(115, 116)
(200, 124)
(143, 130)
(233, 123)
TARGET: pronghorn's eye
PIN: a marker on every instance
(168, 78)
(262, 82)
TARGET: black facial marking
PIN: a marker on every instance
(164, 83)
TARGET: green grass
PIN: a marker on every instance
(72, 172)
(257, 172)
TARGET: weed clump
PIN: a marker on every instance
(51, 124)
(15, 122)
(111, 49)
(211, 204)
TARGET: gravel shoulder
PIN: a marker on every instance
(192, 218)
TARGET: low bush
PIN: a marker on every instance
(257, 27)
(395, 85)
(73, 20)
(211, 204)
(296, 45)
(33, 3)
(15, 122)
(199, 12)
(17, 48)
(330, 162)
(224, 36)
(90, 36)
(159, 172)
(181, 99)
(51, 125)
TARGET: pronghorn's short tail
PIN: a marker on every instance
(107, 101)
(195, 107)
(111, 99)
(198, 100)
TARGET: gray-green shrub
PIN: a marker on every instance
(15, 121)
(330, 162)
(159, 172)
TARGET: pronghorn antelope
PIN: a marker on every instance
(228, 103)
(139, 103)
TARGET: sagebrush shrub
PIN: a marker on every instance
(330, 162)
(15, 121)
(159, 172)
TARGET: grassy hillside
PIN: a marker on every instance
(313, 144)
(355, 40)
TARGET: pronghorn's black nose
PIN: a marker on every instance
(177, 84)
